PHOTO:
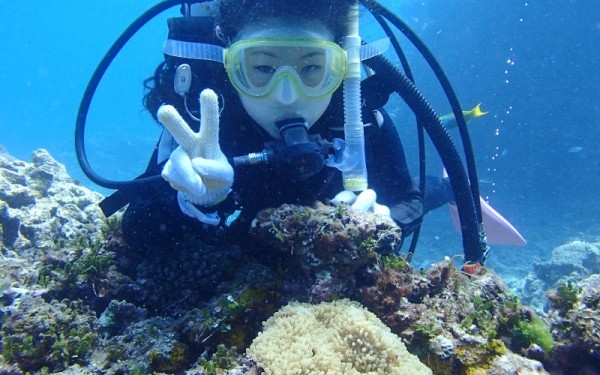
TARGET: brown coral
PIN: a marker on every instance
(329, 246)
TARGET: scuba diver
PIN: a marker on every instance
(283, 76)
(281, 82)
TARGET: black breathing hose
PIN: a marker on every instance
(420, 132)
(86, 100)
(376, 8)
(474, 246)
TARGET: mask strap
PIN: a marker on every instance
(196, 51)
(211, 52)
(373, 49)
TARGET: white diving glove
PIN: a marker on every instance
(365, 201)
(197, 169)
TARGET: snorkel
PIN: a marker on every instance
(354, 173)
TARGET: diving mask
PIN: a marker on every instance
(315, 67)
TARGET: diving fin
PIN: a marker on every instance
(497, 229)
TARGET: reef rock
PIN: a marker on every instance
(326, 245)
(45, 217)
(38, 334)
(75, 297)
(574, 308)
(570, 262)
(41, 206)
(455, 323)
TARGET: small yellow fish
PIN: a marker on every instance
(449, 121)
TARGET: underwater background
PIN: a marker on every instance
(535, 66)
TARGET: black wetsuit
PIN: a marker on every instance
(154, 215)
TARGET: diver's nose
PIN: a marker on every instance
(286, 92)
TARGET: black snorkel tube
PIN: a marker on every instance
(474, 241)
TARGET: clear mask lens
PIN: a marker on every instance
(256, 67)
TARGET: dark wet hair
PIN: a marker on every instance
(234, 14)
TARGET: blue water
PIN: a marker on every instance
(535, 66)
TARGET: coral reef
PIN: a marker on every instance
(37, 334)
(75, 298)
(576, 325)
(40, 205)
(567, 287)
(455, 323)
(325, 245)
(338, 337)
(568, 263)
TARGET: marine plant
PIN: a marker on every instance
(568, 296)
(223, 359)
(533, 331)
(113, 226)
(39, 334)
(522, 325)
(394, 262)
(87, 260)
(173, 361)
(369, 245)
(482, 317)
(427, 331)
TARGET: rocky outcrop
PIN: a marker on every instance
(41, 206)
(569, 263)
(75, 297)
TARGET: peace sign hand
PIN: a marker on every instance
(198, 169)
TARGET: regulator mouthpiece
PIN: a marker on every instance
(300, 157)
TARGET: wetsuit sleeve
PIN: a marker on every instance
(389, 175)
(156, 218)
(152, 215)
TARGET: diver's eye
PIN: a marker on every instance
(311, 69)
(312, 75)
(265, 69)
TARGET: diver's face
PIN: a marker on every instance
(284, 70)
